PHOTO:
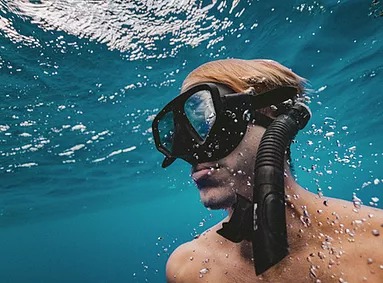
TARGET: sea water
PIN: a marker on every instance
(83, 195)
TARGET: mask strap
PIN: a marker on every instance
(261, 119)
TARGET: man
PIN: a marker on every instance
(208, 126)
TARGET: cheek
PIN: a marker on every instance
(245, 160)
(241, 167)
(240, 162)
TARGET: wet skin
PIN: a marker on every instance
(329, 240)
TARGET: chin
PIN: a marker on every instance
(216, 198)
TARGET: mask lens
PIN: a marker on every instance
(166, 130)
(199, 109)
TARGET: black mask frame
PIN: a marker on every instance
(233, 113)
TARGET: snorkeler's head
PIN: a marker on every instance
(218, 100)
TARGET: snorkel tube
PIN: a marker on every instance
(269, 236)
(263, 222)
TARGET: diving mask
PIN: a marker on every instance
(208, 121)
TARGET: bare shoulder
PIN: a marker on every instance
(179, 263)
(200, 260)
(186, 263)
(357, 239)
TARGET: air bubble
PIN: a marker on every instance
(312, 271)
(305, 218)
(375, 199)
(329, 135)
(246, 115)
(211, 117)
(356, 201)
(203, 271)
(321, 255)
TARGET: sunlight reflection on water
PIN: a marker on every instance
(147, 29)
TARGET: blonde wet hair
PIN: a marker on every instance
(240, 75)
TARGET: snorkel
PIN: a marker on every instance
(263, 222)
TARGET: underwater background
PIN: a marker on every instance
(83, 197)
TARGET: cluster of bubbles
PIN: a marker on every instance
(329, 157)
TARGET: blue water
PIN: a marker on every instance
(83, 196)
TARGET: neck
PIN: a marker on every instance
(299, 209)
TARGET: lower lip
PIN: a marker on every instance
(200, 174)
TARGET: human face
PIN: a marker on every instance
(219, 182)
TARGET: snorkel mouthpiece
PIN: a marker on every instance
(268, 216)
